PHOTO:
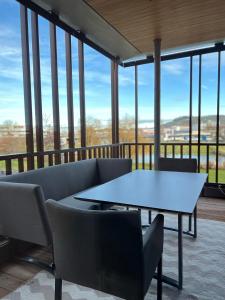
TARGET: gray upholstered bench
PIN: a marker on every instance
(23, 214)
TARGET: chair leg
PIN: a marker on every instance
(159, 280)
(58, 289)
(190, 223)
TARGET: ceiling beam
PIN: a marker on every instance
(150, 59)
(53, 17)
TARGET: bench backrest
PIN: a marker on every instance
(60, 181)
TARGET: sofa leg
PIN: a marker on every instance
(58, 289)
(159, 280)
(34, 261)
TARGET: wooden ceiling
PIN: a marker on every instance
(179, 23)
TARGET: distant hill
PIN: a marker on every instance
(184, 120)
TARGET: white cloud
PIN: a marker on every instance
(173, 67)
(97, 76)
(6, 32)
(205, 87)
(125, 80)
(15, 114)
(9, 98)
(10, 72)
(10, 53)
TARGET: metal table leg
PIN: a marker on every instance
(180, 251)
(195, 222)
(190, 223)
(149, 216)
(177, 283)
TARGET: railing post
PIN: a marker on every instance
(199, 109)
(115, 106)
(190, 107)
(218, 116)
(157, 62)
(37, 89)
(82, 96)
(55, 91)
(27, 85)
(136, 116)
(69, 84)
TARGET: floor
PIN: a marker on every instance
(14, 273)
(212, 209)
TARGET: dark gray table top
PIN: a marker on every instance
(161, 190)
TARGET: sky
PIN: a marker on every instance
(174, 87)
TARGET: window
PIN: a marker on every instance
(97, 70)
(12, 120)
(126, 104)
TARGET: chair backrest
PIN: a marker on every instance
(98, 249)
(178, 164)
(109, 169)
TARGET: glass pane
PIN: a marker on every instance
(12, 120)
(46, 83)
(61, 57)
(97, 97)
(209, 97)
(76, 99)
(175, 98)
(146, 103)
(126, 104)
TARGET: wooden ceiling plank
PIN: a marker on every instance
(177, 23)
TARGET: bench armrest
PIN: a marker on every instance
(23, 214)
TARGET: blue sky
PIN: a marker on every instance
(175, 79)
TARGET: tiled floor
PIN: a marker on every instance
(15, 273)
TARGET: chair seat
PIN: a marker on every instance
(74, 203)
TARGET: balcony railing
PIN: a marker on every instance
(210, 157)
(20, 162)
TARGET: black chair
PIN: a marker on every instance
(181, 165)
(178, 164)
(105, 250)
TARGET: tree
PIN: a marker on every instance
(93, 128)
(48, 133)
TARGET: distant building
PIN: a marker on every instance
(181, 133)
(12, 130)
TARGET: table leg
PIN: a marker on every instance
(190, 223)
(149, 217)
(195, 222)
(180, 251)
(177, 283)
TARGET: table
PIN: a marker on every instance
(176, 192)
